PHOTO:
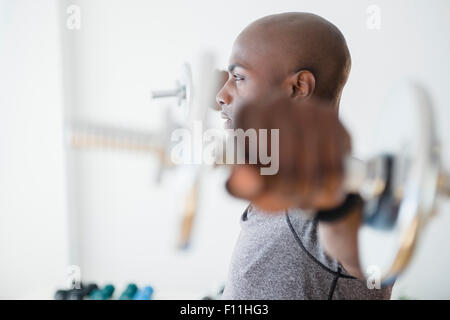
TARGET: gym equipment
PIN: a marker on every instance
(195, 103)
(399, 184)
(129, 292)
(84, 135)
(144, 293)
(81, 293)
(60, 295)
(75, 294)
(102, 294)
(216, 295)
(183, 90)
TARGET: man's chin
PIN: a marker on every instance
(228, 124)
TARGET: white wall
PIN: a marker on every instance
(127, 225)
(33, 233)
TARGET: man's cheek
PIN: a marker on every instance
(235, 113)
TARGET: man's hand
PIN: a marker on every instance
(312, 147)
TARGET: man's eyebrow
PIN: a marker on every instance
(233, 66)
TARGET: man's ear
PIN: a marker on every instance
(302, 84)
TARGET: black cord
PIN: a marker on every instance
(244, 215)
(333, 284)
(297, 238)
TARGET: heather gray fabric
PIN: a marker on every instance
(271, 262)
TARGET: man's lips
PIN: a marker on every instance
(223, 115)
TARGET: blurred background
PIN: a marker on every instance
(105, 210)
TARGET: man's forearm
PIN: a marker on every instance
(339, 240)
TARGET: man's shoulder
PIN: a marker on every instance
(283, 227)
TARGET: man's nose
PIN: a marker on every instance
(223, 98)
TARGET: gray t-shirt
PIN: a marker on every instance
(279, 256)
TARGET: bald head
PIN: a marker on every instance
(294, 41)
(296, 54)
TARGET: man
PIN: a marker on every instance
(284, 254)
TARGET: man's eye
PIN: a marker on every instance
(237, 78)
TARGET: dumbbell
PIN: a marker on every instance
(216, 295)
(81, 293)
(75, 294)
(144, 294)
(102, 294)
(129, 292)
